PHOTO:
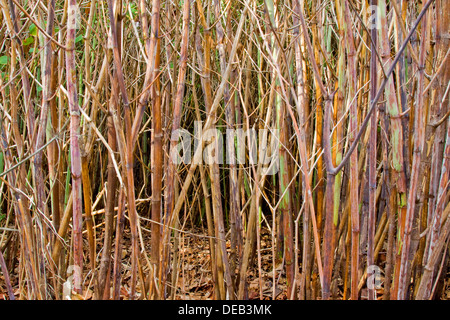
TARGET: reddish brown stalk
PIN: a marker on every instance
(302, 112)
(286, 200)
(156, 154)
(354, 202)
(6, 277)
(177, 111)
(46, 96)
(88, 209)
(53, 152)
(230, 119)
(128, 154)
(328, 242)
(316, 30)
(151, 47)
(110, 200)
(62, 231)
(214, 166)
(118, 245)
(372, 156)
(74, 146)
(419, 131)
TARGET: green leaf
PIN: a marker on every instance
(79, 38)
(4, 59)
(28, 41)
(33, 30)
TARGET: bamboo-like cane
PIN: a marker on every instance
(177, 111)
(75, 147)
(418, 148)
(129, 147)
(319, 73)
(372, 157)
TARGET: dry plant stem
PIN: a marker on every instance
(354, 200)
(316, 30)
(110, 202)
(301, 112)
(46, 96)
(128, 154)
(372, 157)
(328, 243)
(88, 210)
(419, 130)
(157, 167)
(118, 245)
(249, 240)
(6, 276)
(390, 207)
(63, 227)
(53, 152)
(440, 202)
(177, 111)
(74, 146)
(232, 116)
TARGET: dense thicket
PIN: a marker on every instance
(313, 162)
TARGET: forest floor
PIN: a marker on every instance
(194, 271)
(195, 280)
